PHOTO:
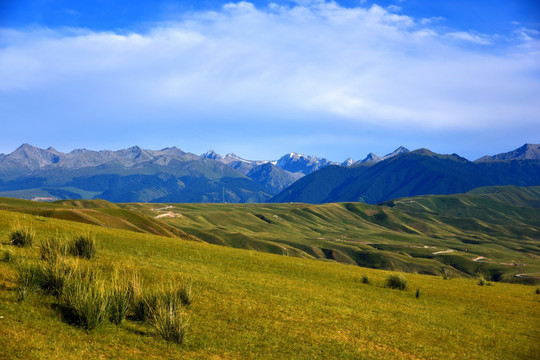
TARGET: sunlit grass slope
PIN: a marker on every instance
(96, 212)
(254, 305)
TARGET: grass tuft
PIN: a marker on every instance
(27, 278)
(52, 249)
(54, 273)
(23, 237)
(396, 281)
(83, 246)
(417, 295)
(85, 299)
(365, 279)
(537, 291)
(169, 321)
(120, 298)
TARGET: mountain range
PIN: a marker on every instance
(172, 175)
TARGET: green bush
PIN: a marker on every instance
(396, 282)
(365, 279)
(417, 293)
(537, 291)
(23, 237)
(481, 281)
(83, 246)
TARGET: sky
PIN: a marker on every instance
(335, 79)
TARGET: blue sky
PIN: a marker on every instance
(261, 79)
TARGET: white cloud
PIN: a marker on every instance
(309, 61)
(471, 37)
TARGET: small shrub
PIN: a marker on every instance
(481, 281)
(537, 292)
(85, 299)
(83, 246)
(23, 237)
(396, 282)
(169, 321)
(365, 279)
(417, 293)
(446, 275)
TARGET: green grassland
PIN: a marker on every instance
(256, 305)
(493, 231)
(426, 234)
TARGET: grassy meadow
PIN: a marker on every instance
(255, 305)
(434, 235)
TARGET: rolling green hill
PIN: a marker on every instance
(429, 234)
(494, 231)
(254, 305)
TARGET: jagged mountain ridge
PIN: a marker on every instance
(419, 172)
(525, 152)
(172, 175)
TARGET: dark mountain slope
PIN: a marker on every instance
(415, 173)
(273, 178)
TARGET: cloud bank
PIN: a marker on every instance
(309, 63)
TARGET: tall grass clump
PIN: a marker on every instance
(537, 291)
(85, 299)
(169, 320)
(55, 273)
(27, 278)
(22, 237)
(120, 298)
(145, 301)
(52, 249)
(395, 281)
(365, 279)
(83, 246)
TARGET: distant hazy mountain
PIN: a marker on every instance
(126, 175)
(526, 152)
(172, 175)
(408, 174)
